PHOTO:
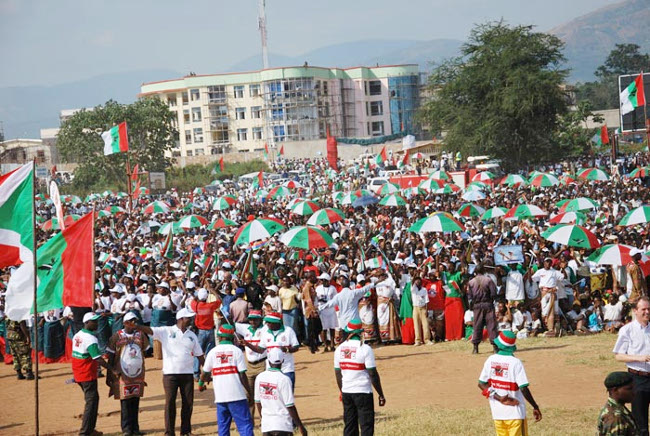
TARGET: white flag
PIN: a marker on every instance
(20, 293)
(408, 142)
(56, 199)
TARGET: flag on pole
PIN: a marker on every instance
(406, 160)
(375, 262)
(282, 150)
(116, 140)
(250, 265)
(602, 137)
(134, 173)
(221, 165)
(190, 264)
(17, 216)
(65, 267)
(633, 96)
(266, 150)
(260, 179)
(332, 151)
(53, 172)
(168, 245)
(58, 206)
(381, 157)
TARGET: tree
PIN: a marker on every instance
(150, 131)
(571, 134)
(503, 97)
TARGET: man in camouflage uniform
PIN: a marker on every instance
(614, 418)
(20, 346)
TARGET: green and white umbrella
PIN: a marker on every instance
(171, 227)
(431, 185)
(258, 229)
(304, 207)
(483, 176)
(436, 222)
(121, 194)
(473, 195)
(261, 193)
(544, 180)
(392, 200)
(192, 221)
(469, 210)
(292, 184)
(493, 212)
(440, 175)
(107, 193)
(199, 191)
(524, 211)
(72, 199)
(221, 223)
(568, 218)
(567, 179)
(157, 207)
(338, 196)
(562, 202)
(279, 191)
(571, 235)
(409, 192)
(640, 172)
(449, 188)
(326, 216)
(306, 238)
(103, 213)
(579, 204)
(478, 185)
(116, 210)
(639, 215)
(349, 198)
(223, 203)
(189, 206)
(514, 180)
(144, 191)
(216, 183)
(594, 174)
(612, 254)
(92, 197)
(389, 188)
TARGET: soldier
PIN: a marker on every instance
(20, 346)
(615, 418)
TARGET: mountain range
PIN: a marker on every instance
(588, 39)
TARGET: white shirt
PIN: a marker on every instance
(613, 312)
(274, 302)
(420, 296)
(280, 338)
(548, 278)
(353, 359)
(323, 295)
(254, 336)
(507, 376)
(633, 338)
(146, 312)
(179, 349)
(225, 362)
(273, 391)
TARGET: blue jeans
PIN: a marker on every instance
(290, 319)
(237, 410)
(292, 377)
(206, 341)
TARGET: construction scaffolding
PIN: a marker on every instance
(219, 135)
(404, 94)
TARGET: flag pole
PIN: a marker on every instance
(35, 283)
(128, 170)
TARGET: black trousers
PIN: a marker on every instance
(484, 316)
(91, 397)
(277, 433)
(130, 410)
(358, 411)
(313, 329)
(172, 384)
(641, 402)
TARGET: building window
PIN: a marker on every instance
(377, 128)
(240, 113)
(376, 108)
(176, 154)
(278, 133)
(277, 112)
(242, 134)
(171, 100)
(324, 87)
(189, 153)
(185, 99)
(195, 95)
(199, 152)
(239, 91)
(196, 114)
(374, 87)
(256, 112)
(188, 136)
(254, 90)
(216, 94)
(257, 133)
(198, 135)
(186, 116)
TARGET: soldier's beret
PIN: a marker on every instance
(617, 379)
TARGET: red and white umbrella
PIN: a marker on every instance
(524, 211)
(612, 254)
(571, 235)
(258, 229)
(306, 238)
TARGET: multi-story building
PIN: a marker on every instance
(240, 112)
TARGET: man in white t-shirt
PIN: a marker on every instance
(274, 399)
(356, 375)
(226, 365)
(504, 383)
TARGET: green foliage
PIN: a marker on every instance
(503, 97)
(151, 134)
(571, 135)
(187, 178)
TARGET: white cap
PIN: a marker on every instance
(175, 265)
(281, 261)
(130, 298)
(324, 276)
(119, 288)
(226, 265)
(635, 251)
(194, 274)
(163, 285)
(275, 355)
(272, 288)
(190, 285)
(360, 278)
(185, 313)
(90, 316)
(202, 294)
(130, 316)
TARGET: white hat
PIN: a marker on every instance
(190, 285)
(119, 288)
(418, 252)
(163, 285)
(281, 261)
(324, 276)
(129, 316)
(175, 265)
(202, 294)
(272, 288)
(226, 265)
(635, 251)
(360, 278)
(130, 298)
(622, 299)
(194, 274)
(185, 313)
(90, 316)
(275, 355)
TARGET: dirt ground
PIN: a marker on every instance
(563, 373)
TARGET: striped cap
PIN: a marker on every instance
(273, 317)
(506, 340)
(226, 330)
(354, 326)
(255, 314)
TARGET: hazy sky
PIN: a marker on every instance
(54, 41)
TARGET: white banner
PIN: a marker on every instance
(20, 293)
(56, 199)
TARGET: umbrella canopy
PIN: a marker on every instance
(571, 235)
(514, 180)
(223, 203)
(639, 215)
(415, 190)
(567, 179)
(640, 172)
(143, 191)
(261, 193)
(258, 229)
(116, 210)
(568, 218)
(121, 194)
(468, 210)
(483, 176)
(325, 216)
(493, 212)
(279, 191)
(448, 188)
(392, 200)
(389, 188)
(364, 201)
(306, 238)
(221, 223)
(171, 227)
(107, 193)
(304, 207)
(198, 191)
(191, 221)
(53, 224)
(594, 174)
(292, 184)
(436, 222)
(473, 195)
(418, 155)
(41, 197)
(103, 213)
(440, 175)
(157, 207)
(544, 180)
(612, 254)
(216, 183)
(477, 186)
(524, 211)
(562, 202)
(92, 197)
(72, 199)
(338, 196)
(363, 193)
(431, 185)
(578, 204)
(349, 198)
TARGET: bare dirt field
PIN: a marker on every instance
(429, 390)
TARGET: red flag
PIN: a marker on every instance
(406, 159)
(260, 179)
(134, 173)
(383, 154)
(136, 193)
(53, 171)
(332, 151)
(221, 166)
(282, 150)
(604, 135)
(266, 149)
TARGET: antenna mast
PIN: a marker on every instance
(261, 24)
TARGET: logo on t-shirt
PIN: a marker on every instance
(224, 358)
(268, 391)
(500, 369)
(348, 353)
(77, 342)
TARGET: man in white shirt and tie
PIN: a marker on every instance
(549, 279)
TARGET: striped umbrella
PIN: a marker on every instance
(478, 186)
(431, 185)
(223, 203)
(304, 207)
(640, 172)
(171, 227)
(483, 176)
(449, 188)
(199, 190)
(639, 215)
(363, 193)
(262, 193)
(389, 188)
(524, 211)
(567, 179)
(53, 224)
(103, 213)
(612, 254)
(338, 196)
(436, 222)
(392, 200)
(349, 198)
(514, 180)
(279, 191)
(579, 204)
(189, 206)
(414, 190)
(493, 212)
(473, 195)
(568, 218)
(72, 199)
(440, 175)
(468, 210)
(92, 197)
(157, 207)
(292, 184)
(121, 194)
(306, 238)
(326, 216)
(562, 202)
(107, 193)
(41, 197)
(191, 222)
(116, 210)
(221, 223)
(594, 174)
(216, 183)
(143, 191)
(544, 180)
(571, 235)
(258, 229)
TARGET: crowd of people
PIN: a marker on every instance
(214, 308)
